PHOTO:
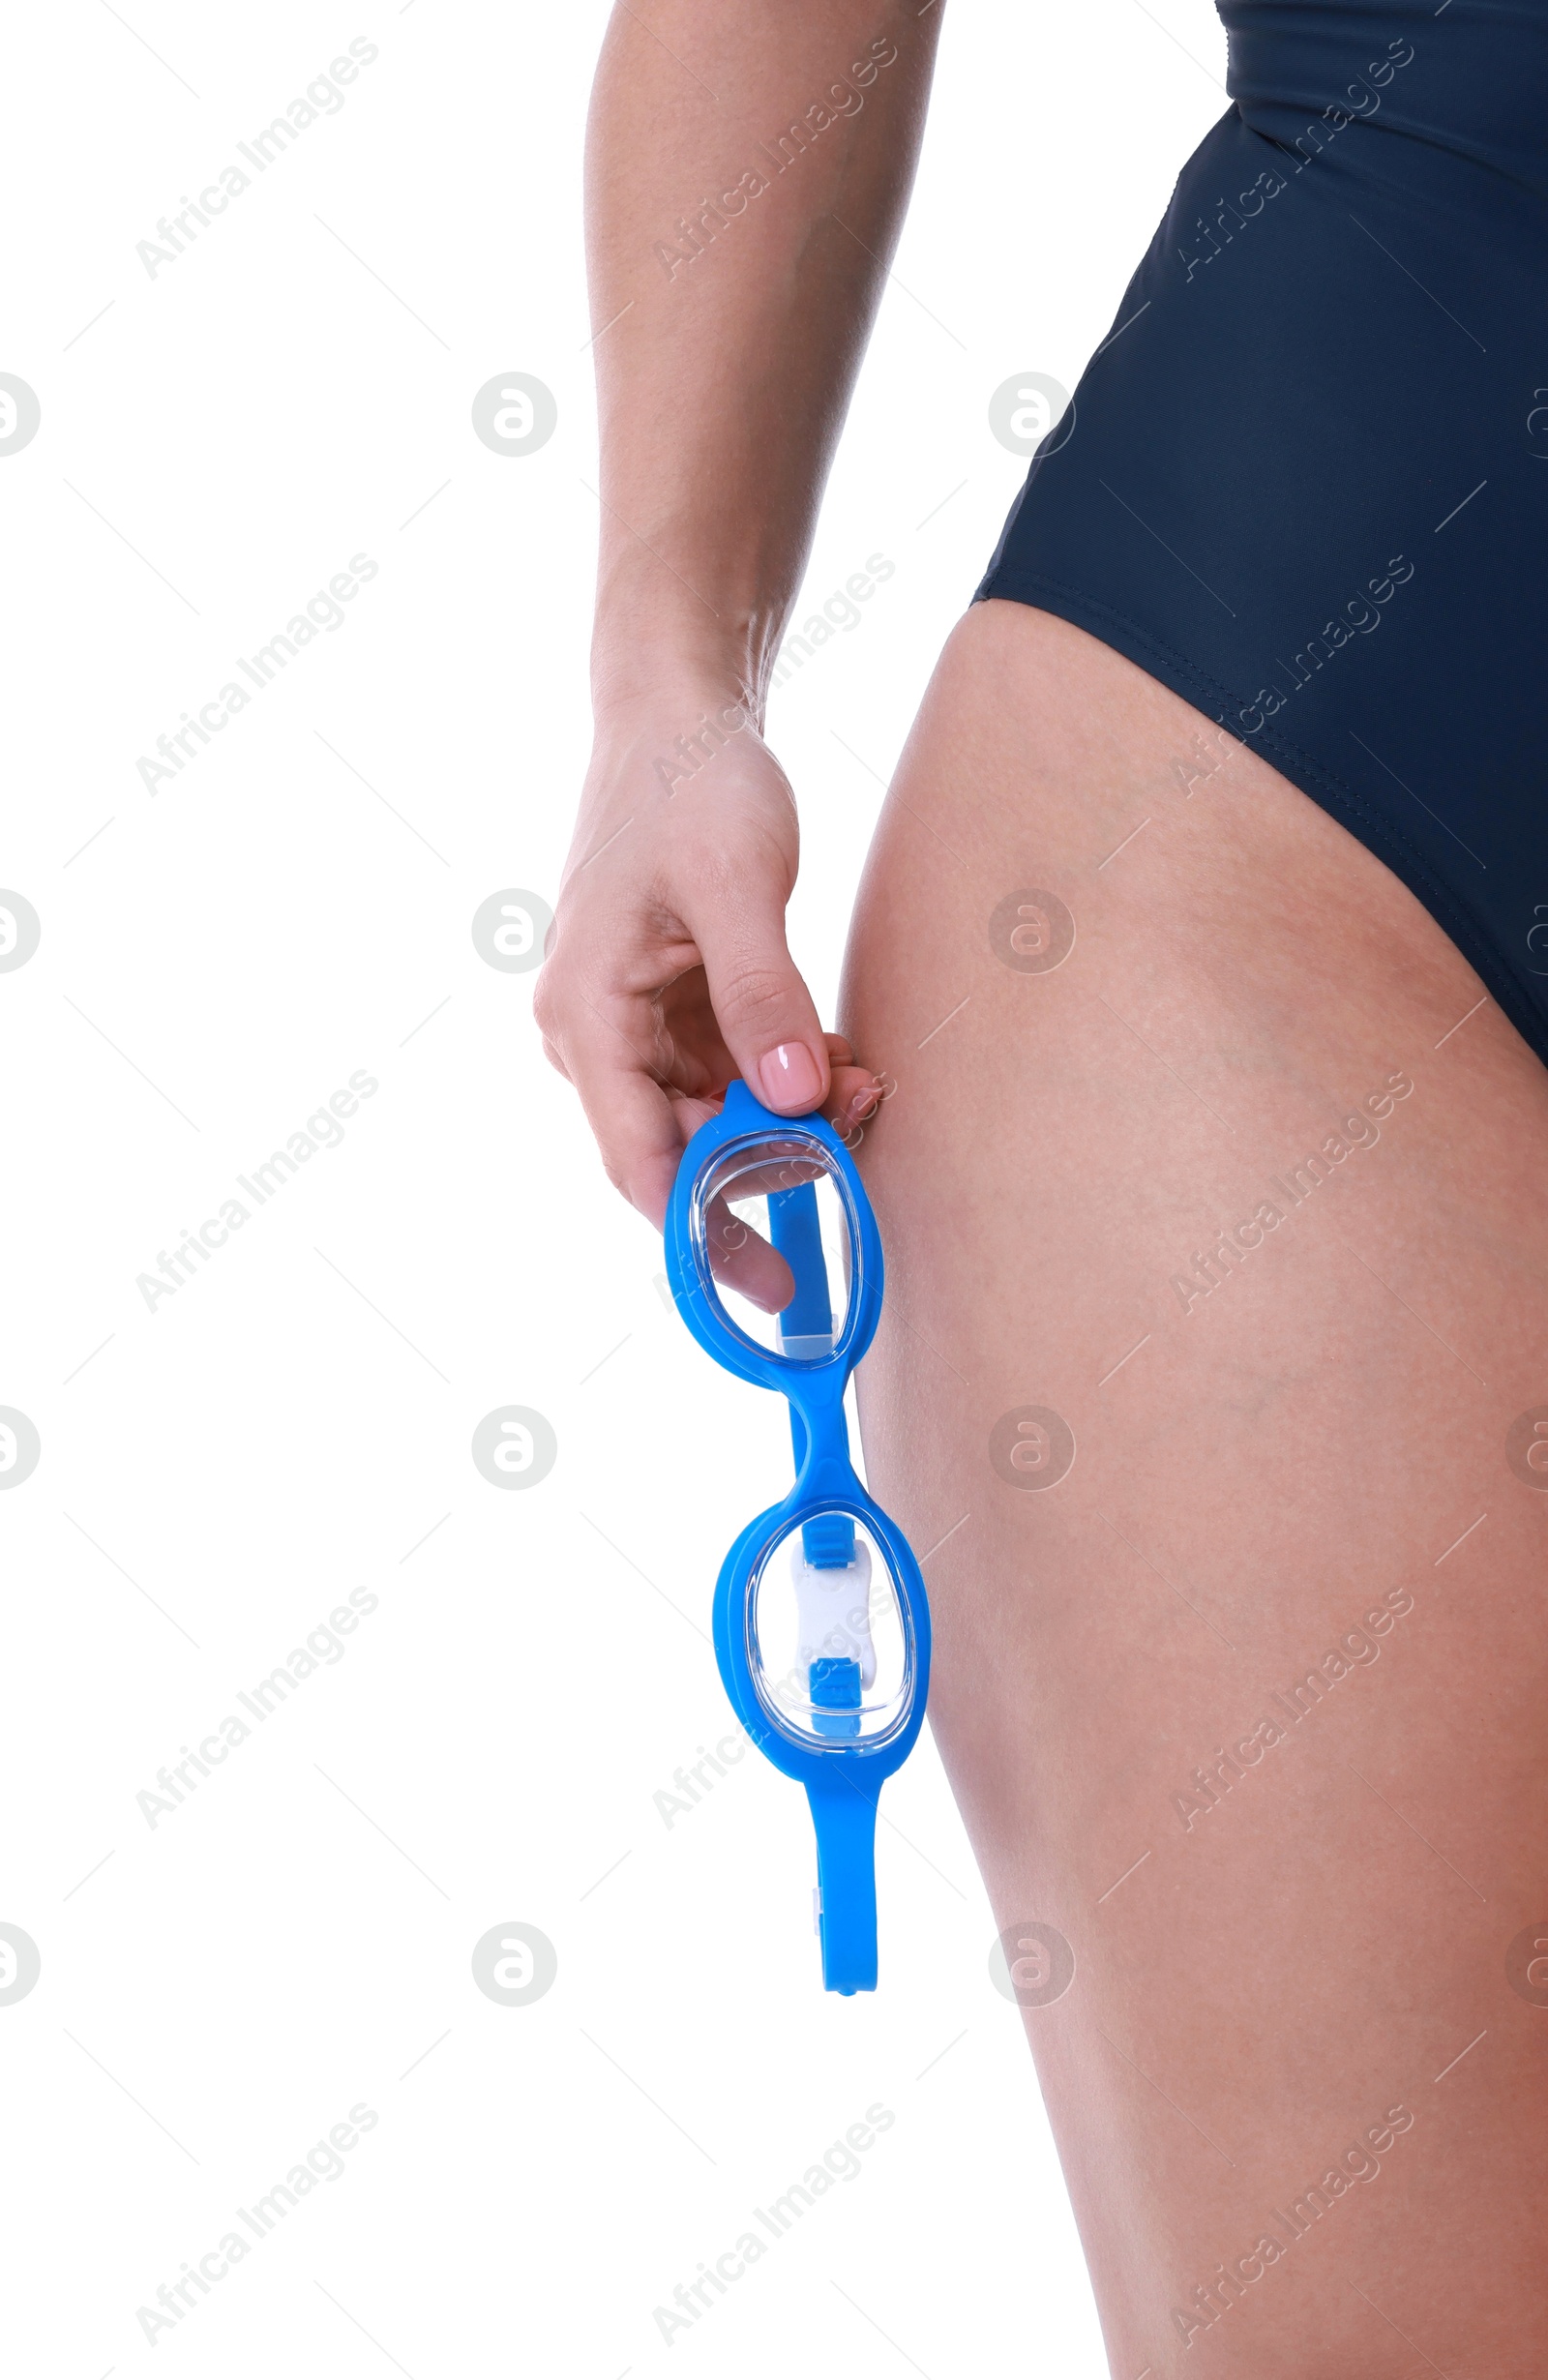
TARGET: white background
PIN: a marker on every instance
(295, 1422)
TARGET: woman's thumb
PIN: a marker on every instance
(764, 1011)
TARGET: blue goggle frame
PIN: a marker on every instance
(841, 1771)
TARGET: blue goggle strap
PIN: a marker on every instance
(844, 1815)
(805, 1329)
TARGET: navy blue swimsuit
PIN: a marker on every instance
(1305, 484)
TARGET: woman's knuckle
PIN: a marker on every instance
(551, 1052)
(751, 991)
(548, 1006)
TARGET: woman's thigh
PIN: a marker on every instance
(1217, 1316)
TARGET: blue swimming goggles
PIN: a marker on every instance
(821, 1623)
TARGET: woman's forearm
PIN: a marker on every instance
(748, 164)
(747, 171)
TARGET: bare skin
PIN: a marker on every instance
(669, 972)
(1287, 1964)
(1289, 1904)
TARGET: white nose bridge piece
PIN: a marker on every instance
(833, 1611)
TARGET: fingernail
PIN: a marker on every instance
(789, 1076)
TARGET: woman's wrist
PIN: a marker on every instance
(705, 633)
(652, 676)
(665, 732)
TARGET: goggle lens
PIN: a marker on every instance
(774, 1242)
(831, 1647)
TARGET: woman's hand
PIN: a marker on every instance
(727, 340)
(668, 971)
